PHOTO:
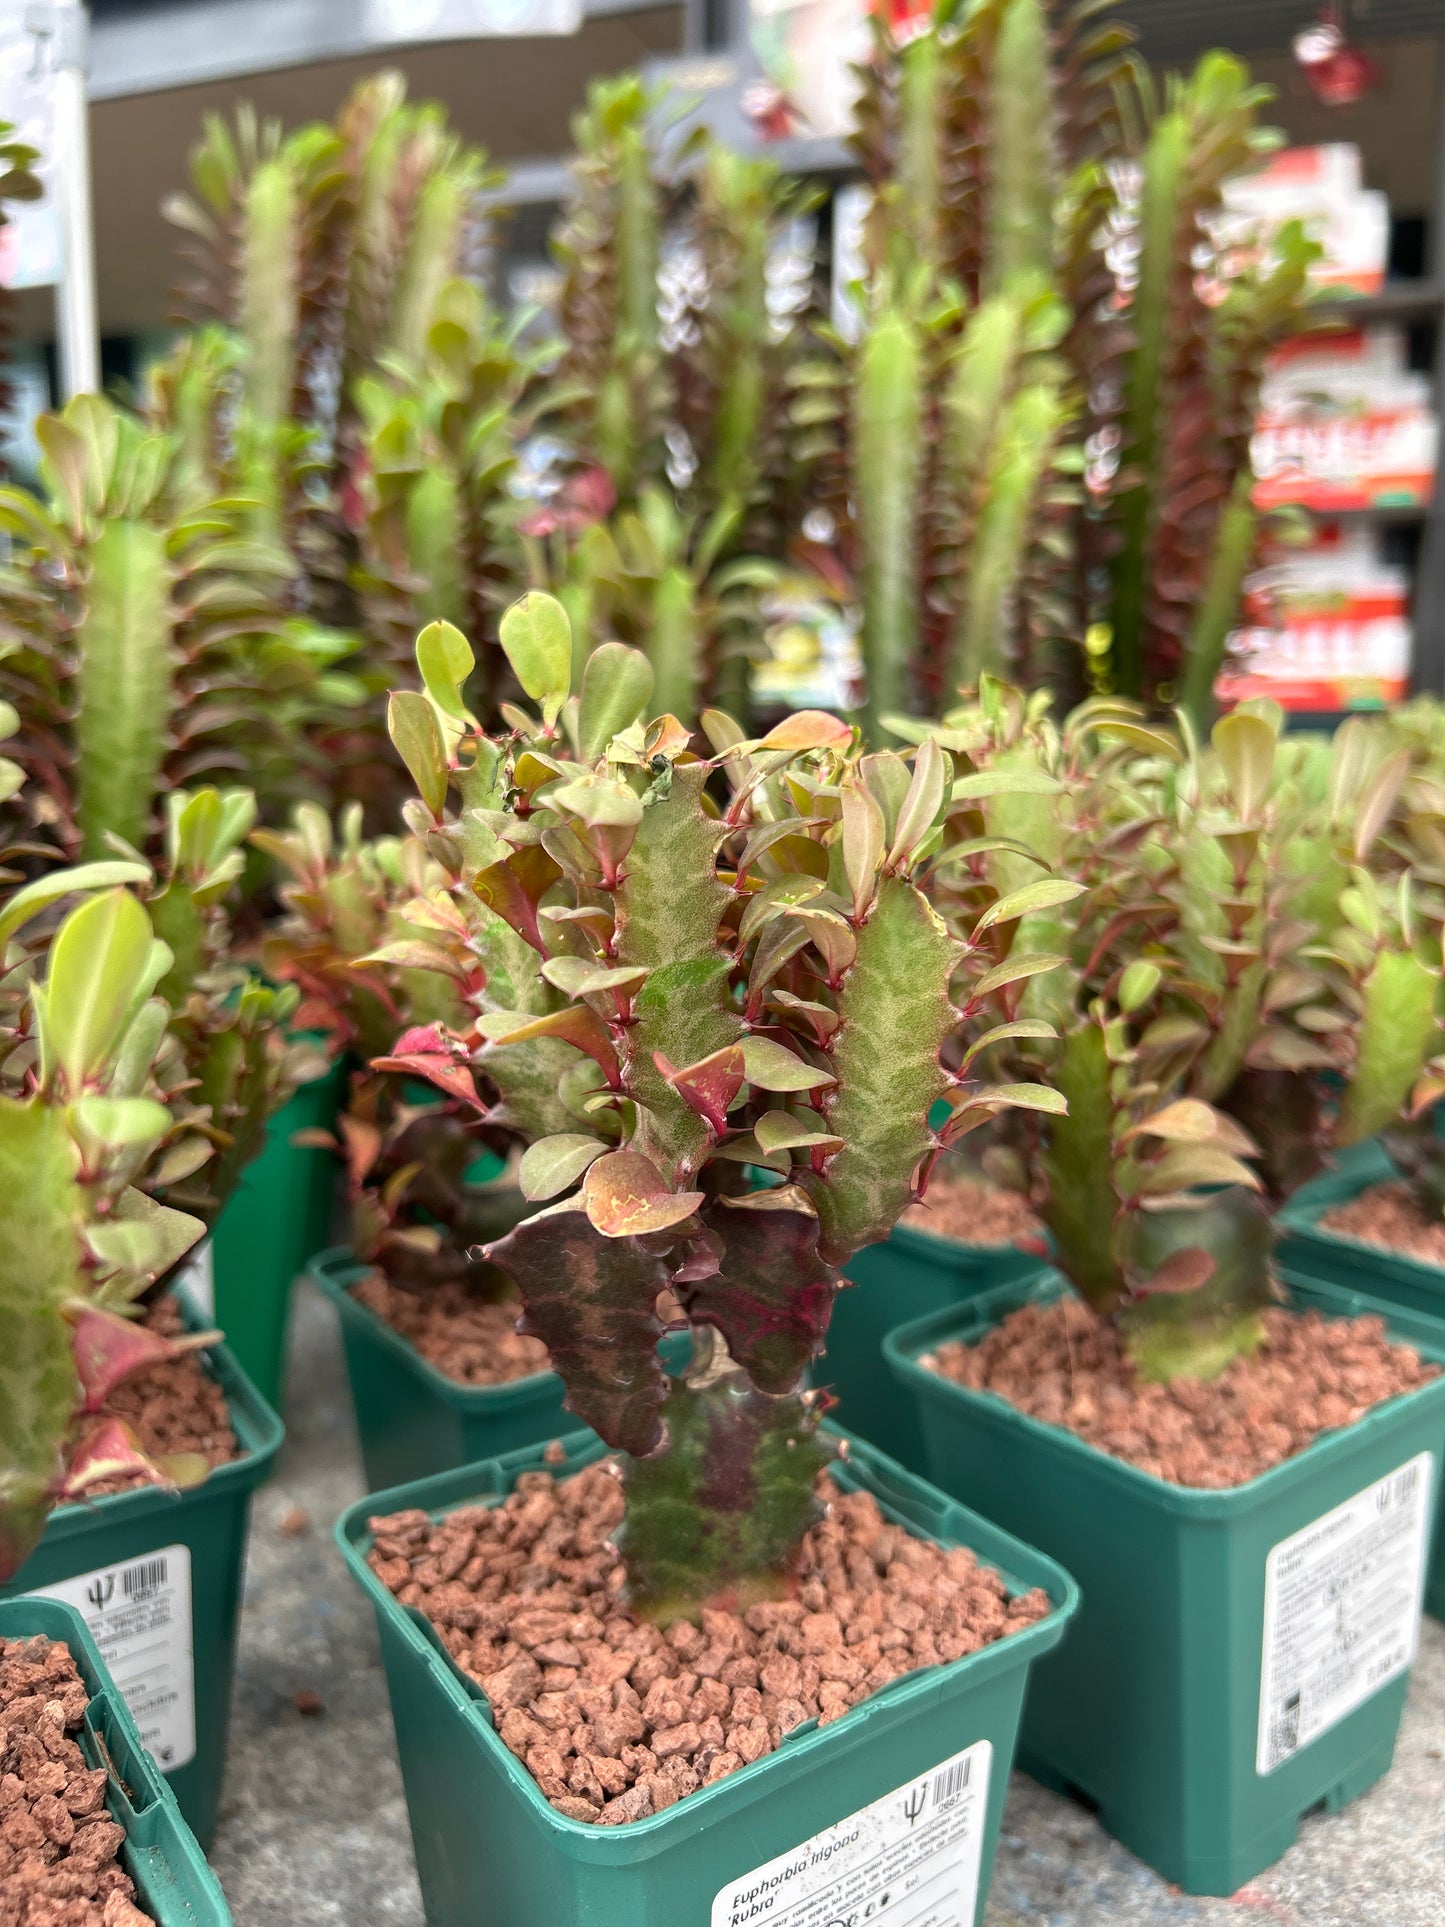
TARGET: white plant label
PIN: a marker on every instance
(199, 1279)
(909, 1860)
(1342, 1603)
(139, 1615)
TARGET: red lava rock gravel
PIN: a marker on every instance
(471, 1338)
(177, 1407)
(616, 1719)
(58, 1842)
(1388, 1215)
(1062, 1364)
(962, 1206)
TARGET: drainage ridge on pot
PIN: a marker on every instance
(491, 1851)
(173, 1882)
(1156, 1712)
(911, 1273)
(181, 1556)
(412, 1419)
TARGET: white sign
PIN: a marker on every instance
(1342, 1605)
(415, 20)
(139, 1615)
(30, 239)
(909, 1860)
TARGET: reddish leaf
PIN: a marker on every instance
(772, 1295)
(109, 1349)
(455, 1079)
(1187, 1270)
(592, 1301)
(578, 1025)
(513, 889)
(626, 1196)
(423, 1040)
(710, 1086)
(111, 1451)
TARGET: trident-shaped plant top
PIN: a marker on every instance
(712, 962)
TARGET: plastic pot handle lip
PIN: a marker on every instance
(902, 1346)
(335, 1270)
(447, 1491)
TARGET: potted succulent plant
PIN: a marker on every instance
(122, 1846)
(744, 974)
(1212, 1446)
(138, 1066)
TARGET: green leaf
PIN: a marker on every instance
(537, 638)
(616, 689)
(1138, 984)
(35, 897)
(771, 1066)
(412, 724)
(554, 1164)
(1011, 971)
(445, 659)
(1021, 1027)
(778, 1131)
(1246, 746)
(1021, 1097)
(580, 977)
(96, 976)
(1047, 894)
(863, 836)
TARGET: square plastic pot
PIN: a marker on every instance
(1153, 1714)
(173, 1883)
(277, 1219)
(411, 1418)
(490, 1850)
(157, 1576)
(910, 1274)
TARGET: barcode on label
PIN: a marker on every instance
(139, 1582)
(948, 1785)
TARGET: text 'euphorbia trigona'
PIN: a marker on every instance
(733, 969)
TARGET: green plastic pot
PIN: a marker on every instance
(1373, 1269)
(492, 1853)
(138, 1564)
(1409, 1291)
(412, 1420)
(279, 1215)
(910, 1274)
(173, 1883)
(1154, 1713)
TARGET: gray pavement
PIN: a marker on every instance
(313, 1828)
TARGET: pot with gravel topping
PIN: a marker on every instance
(1251, 1553)
(568, 1759)
(89, 1831)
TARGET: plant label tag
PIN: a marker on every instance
(139, 1615)
(909, 1860)
(1342, 1601)
(198, 1277)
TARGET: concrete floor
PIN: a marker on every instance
(314, 1828)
